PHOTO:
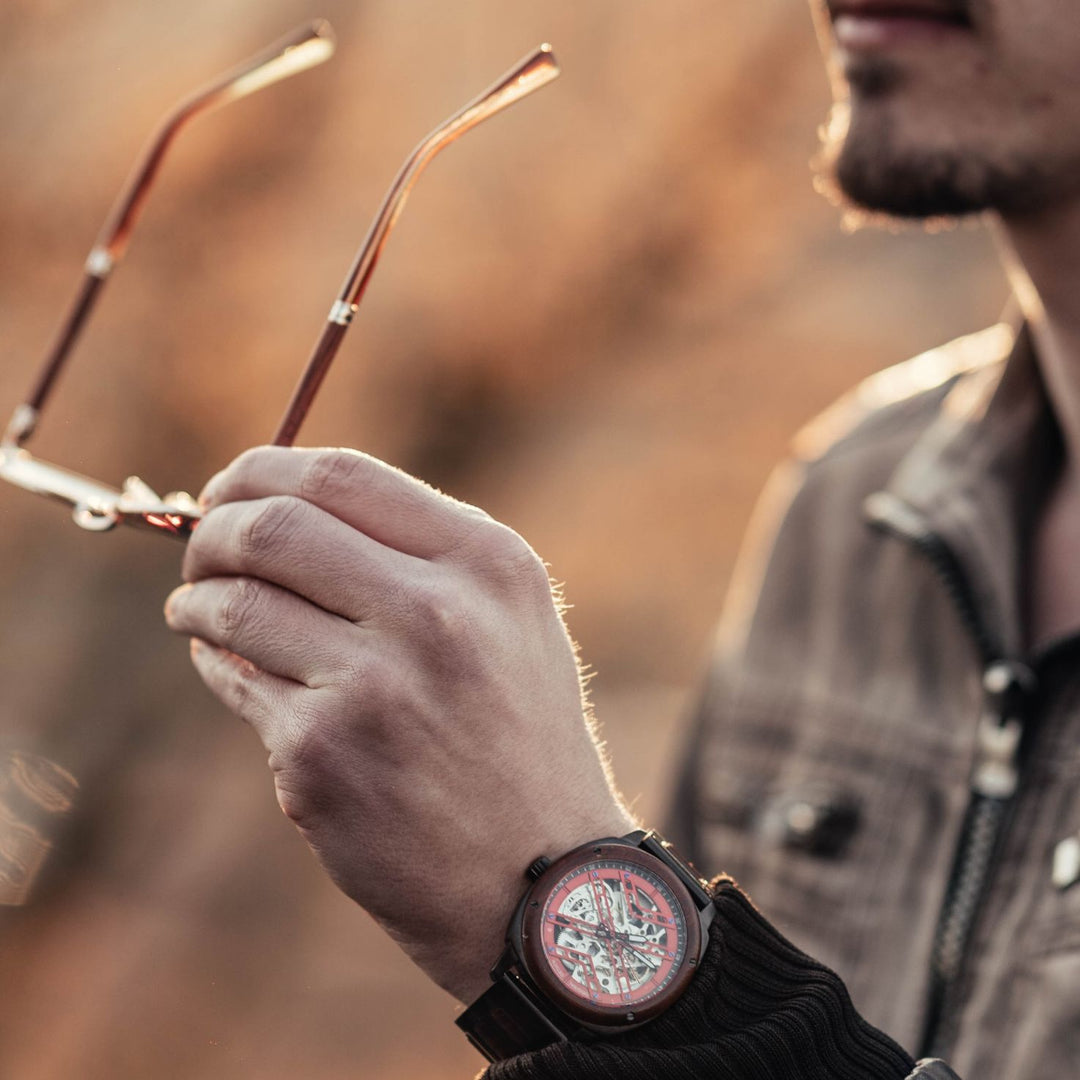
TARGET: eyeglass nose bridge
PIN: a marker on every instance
(97, 507)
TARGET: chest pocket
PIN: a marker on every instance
(840, 825)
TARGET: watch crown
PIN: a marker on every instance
(537, 867)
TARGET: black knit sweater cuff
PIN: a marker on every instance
(758, 1009)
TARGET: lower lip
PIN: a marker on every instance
(870, 33)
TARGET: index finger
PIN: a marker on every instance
(379, 500)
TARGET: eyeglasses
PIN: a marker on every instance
(99, 507)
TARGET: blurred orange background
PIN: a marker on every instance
(601, 318)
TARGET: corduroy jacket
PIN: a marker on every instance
(881, 758)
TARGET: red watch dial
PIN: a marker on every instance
(609, 938)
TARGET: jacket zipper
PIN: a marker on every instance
(1009, 687)
(994, 778)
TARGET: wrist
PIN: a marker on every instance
(461, 964)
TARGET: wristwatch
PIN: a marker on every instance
(606, 938)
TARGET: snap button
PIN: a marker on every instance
(814, 817)
(1066, 872)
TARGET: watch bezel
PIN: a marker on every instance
(531, 947)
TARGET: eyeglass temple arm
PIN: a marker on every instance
(535, 71)
(304, 47)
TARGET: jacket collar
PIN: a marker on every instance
(975, 480)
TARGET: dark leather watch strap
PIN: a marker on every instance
(504, 1020)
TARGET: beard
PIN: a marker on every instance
(868, 168)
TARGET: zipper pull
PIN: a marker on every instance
(1009, 686)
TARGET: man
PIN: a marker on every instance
(886, 754)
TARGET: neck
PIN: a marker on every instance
(1042, 258)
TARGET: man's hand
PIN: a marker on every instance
(403, 660)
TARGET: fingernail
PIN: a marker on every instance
(197, 647)
(173, 601)
(206, 496)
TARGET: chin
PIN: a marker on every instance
(874, 165)
(914, 186)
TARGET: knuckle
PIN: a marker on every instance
(349, 677)
(269, 526)
(236, 475)
(446, 620)
(308, 713)
(238, 678)
(244, 463)
(311, 747)
(241, 597)
(364, 691)
(294, 785)
(438, 607)
(329, 472)
(294, 802)
(363, 688)
(306, 764)
(508, 558)
(214, 545)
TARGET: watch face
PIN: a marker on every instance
(610, 935)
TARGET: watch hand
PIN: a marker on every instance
(598, 893)
(645, 958)
(646, 939)
(650, 946)
(572, 922)
(618, 965)
(622, 965)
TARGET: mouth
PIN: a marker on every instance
(874, 25)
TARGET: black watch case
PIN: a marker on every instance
(606, 938)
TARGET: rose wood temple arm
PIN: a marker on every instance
(95, 505)
(534, 71)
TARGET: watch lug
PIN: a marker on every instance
(687, 874)
(707, 914)
(507, 960)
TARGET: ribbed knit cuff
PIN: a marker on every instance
(759, 1009)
